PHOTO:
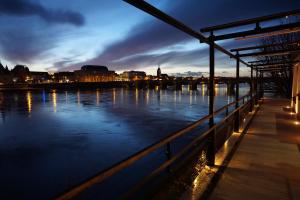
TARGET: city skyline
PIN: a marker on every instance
(60, 36)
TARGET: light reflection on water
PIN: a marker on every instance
(56, 139)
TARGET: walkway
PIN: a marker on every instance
(266, 165)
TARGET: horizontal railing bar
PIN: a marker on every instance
(104, 174)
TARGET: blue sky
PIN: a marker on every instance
(62, 35)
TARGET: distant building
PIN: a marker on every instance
(64, 77)
(164, 76)
(158, 72)
(20, 73)
(38, 77)
(133, 75)
(94, 73)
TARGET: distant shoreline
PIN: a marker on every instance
(62, 86)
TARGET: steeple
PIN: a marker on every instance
(158, 72)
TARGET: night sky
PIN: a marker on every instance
(61, 35)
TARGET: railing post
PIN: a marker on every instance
(261, 92)
(256, 87)
(298, 114)
(211, 141)
(237, 93)
(251, 90)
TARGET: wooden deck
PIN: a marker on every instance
(266, 165)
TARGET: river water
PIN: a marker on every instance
(52, 140)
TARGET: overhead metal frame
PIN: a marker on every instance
(274, 64)
(257, 31)
(271, 53)
(255, 21)
(264, 46)
(271, 68)
(267, 61)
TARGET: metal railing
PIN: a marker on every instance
(202, 137)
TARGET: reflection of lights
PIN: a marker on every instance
(297, 123)
(54, 100)
(114, 96)
(147, 97)
(136, 96)
(291, 113)
(97, 97)
(66, 96)
(191, 97)
(203, 89)
(179, 95)
(216, 89)
(156, 88)
(44, 96)
(175, 96)
(29, 101)
(78, 98)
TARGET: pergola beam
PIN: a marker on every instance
(256, 20)
(267, 61)
(257, 31)
(263, 46)
(274, 64)
(271, 53)
(274, 68)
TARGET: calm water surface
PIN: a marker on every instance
(50, 141)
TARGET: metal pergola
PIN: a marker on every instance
(146, 7)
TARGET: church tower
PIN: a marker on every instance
(158, 72)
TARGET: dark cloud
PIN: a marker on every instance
(27, 8)
(23, 48)
(154, 34)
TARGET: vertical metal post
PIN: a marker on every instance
(251, 90)
(256, 87)
(290, 84)
(261, 84)
(237, 93)
(298, 114)
(211, 142)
